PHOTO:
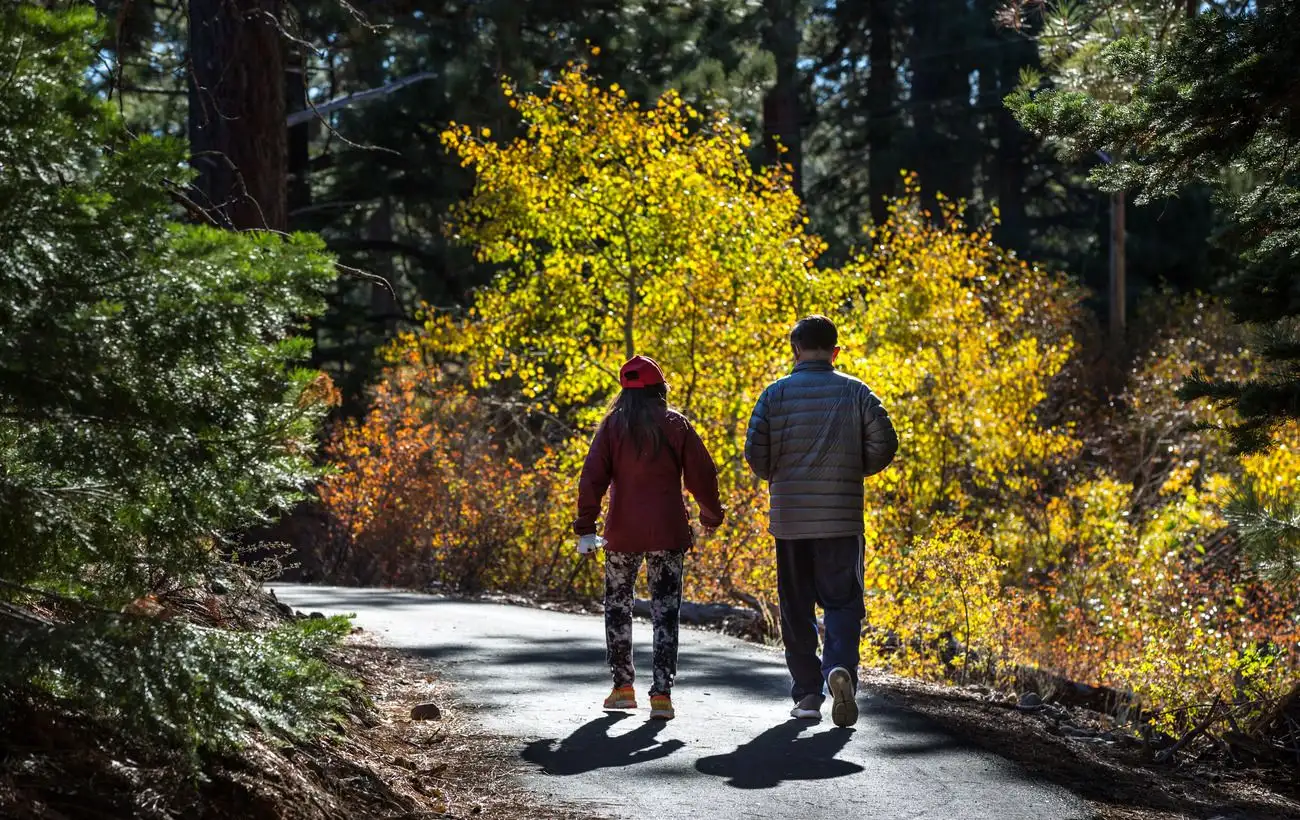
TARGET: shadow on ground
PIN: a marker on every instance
(533, 672)
(781, 754)
(591, 747)
(581, 660)
(336, 598)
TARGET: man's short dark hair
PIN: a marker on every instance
(814, 333)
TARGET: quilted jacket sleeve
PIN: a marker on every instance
(758, 439)
(879, 441)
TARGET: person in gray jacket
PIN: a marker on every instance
(814, 436)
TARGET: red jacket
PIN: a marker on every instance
(646, 510)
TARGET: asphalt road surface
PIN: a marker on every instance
(732, 751)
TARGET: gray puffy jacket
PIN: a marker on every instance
(814, 436)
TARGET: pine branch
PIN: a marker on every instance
(1269, 529)
(1198, 386)
(1279, 343)
(1262, 404)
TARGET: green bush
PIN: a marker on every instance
(177, 685)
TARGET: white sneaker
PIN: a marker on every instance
(810, 708)
(844, 704)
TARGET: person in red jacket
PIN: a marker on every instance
(642, 453)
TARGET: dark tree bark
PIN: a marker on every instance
(943, 144)
(782, 115)
(1014, 151)
(384, 309)
(237, 112)
(923, 98)
(882, 170)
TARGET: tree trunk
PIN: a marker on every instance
(923, 143)
(384, 308)
(237, 112)
(944, 145)
(782, 118)
(629, 318)
(882, 168)
(1118, 281)
(1014, 150)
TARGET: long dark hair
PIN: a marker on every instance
(635, 414)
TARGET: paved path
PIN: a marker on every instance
(731, 753)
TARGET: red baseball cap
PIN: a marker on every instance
(640, 371)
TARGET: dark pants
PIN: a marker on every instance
(825, 572)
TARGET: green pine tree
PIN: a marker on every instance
(151, 401)
(1216, 106)
(151, 396)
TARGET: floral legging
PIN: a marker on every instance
(664, 571)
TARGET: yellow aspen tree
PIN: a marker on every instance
(627, 230)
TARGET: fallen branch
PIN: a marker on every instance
(1283, 705)
(770, 612)
(16, 616)
(1246, 743)
(700, 614)
(1166, 755)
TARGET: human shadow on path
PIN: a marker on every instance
(779, 754)
(591, 747)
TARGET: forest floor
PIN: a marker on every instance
(382, 764)
(1066, 747)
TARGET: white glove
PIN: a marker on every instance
(588, 544)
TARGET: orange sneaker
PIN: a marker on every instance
(624, 697)
(661, 707)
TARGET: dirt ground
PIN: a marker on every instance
(382, 764)
(445, 767)
(1115, 778)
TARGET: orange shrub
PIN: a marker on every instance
(425, 490)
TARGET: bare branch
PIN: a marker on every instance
(348, 100)
(1169, 754)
